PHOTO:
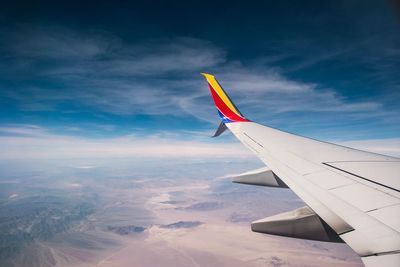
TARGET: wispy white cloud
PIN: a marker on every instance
(269, 90)
(155, 77)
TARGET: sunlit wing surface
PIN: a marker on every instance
(351, 195)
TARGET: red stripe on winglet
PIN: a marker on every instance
(224, 108)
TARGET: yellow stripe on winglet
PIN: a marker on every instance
(214, 84)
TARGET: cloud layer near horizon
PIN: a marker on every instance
(33, 142)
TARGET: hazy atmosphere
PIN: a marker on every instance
(105, 150)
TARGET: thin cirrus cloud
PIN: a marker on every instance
(154, 77)
(280, 94)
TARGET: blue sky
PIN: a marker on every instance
(106, 75)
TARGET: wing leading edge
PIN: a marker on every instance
(355, 193)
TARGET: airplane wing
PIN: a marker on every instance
(352, 196)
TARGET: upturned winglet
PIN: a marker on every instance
(225, 107)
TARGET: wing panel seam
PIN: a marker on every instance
(366, 179)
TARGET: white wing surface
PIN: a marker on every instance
(354, 194)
